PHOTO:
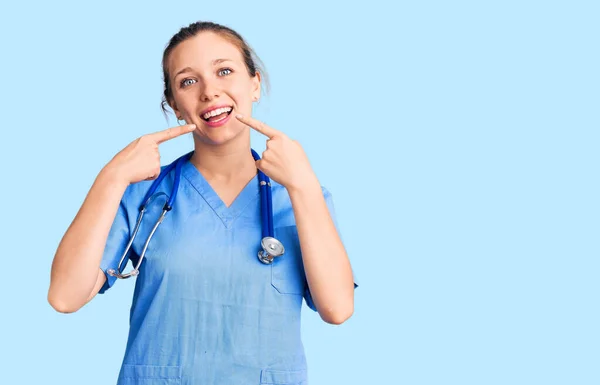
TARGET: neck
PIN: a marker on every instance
(224, 163)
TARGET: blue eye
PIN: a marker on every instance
(184, 82)
(188, 82)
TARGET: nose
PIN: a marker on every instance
(209, 91)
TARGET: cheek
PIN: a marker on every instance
(184, 100)
(242, 92)
(241, 96)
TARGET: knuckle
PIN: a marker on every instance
(147, 141)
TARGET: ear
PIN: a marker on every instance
(256, 81)
(173, 106)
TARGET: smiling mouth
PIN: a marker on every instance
(217, 115)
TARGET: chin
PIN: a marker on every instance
(221, 135)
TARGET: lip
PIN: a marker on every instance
(220, 122)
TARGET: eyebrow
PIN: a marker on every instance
(214, 62)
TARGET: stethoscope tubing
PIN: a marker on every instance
(266, 206)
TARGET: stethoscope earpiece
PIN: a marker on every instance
(272, 249)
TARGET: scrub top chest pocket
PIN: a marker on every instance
(287, 271)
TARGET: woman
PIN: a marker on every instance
(205, 309)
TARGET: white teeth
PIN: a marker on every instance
(216, 112)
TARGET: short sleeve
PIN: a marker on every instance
(330, 206)
(118, 237)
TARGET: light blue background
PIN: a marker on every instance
(459, 140)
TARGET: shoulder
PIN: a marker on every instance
(282, 204)
(281, 192)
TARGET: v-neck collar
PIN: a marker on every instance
(226, 214)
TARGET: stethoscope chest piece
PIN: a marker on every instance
(272, 249)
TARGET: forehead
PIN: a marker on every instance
(201, 50)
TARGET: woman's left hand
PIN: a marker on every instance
(284, 160)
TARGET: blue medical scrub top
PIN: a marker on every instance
(205, 310)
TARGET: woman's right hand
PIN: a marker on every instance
(140, 160)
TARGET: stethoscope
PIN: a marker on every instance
(271, 247)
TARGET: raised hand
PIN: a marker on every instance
(140, 160)
(284, 160)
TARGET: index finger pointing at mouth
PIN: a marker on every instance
(258, 126)
(172, 132)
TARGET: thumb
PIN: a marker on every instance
(259, 164)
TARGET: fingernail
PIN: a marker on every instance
(192, 126)
(239, 116)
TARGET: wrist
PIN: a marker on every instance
(308, 185)
(115, 175)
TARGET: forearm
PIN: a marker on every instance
(326, 263)
(77, 260)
